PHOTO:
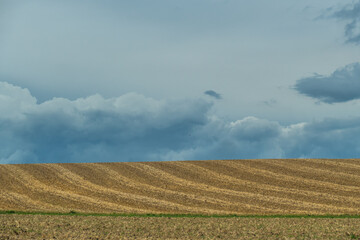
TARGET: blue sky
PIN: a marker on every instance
(93, 81)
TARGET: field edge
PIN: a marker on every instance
(73, 213)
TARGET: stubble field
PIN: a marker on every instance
(241, 187)
(89, 227)
(306, 186)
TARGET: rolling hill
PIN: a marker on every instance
(265, 186)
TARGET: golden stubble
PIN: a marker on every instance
(261, 186)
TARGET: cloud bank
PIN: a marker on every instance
(341, 86)
(351, 15)
(136, 128)
(213, 94)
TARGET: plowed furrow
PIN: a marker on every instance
(204, 190)
(199, 203)
(259, 186)
(339, 166)
(17, 201)
(352, 161)
(136, 200)
(251, 198)
(273, 190)
(321, 173)
(282, 175)
(249, 172)
(297, 202)
(147, 188)
(79, 202)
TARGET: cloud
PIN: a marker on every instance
(128, 128)
(341, 86)
(260, 138)
(351, 15)
(133, 127)
(328, 138)
(213, 94)
(270, 102)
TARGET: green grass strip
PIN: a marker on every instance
(73, 213)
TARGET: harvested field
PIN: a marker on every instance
(287, 186)
(87, 227)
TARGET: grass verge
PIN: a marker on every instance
(73, 213)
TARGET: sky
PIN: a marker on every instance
(124, 81)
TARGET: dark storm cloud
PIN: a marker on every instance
(128, 128)
(212, 93)
(341, 86)
(351, 15)
(135, 128)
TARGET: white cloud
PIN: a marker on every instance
(15, 101)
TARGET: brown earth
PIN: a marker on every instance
(87, 227)
(287, 186)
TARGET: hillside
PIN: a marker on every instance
(287, 186)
